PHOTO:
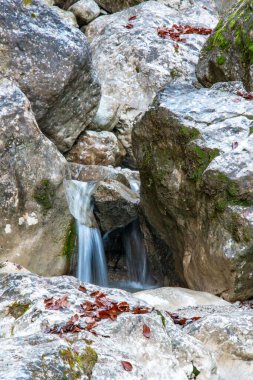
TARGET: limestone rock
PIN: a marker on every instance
(9, 267)
(129, 178)
(230, 336)
(51, 63)
(194, 151)
(112, 6)
(85, 11)
(30, 351)
(227, 54)
(34, 214)
(171, 299)
(97, 148)
(115, 204)
(142, 63)
(66, 16)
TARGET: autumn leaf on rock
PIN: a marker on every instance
(129, 26)
(123, 306)
(142, 310)
(56, 304)
(146, 331)
(127, 366)
(82, 289)
(132, 18)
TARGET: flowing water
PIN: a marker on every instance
(91, 265)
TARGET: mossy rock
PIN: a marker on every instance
(79, 362)
(44, 194)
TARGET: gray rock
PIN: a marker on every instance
(194, 151)
(230, 336)
(142, 63)
(112, 6)
(97, 148)
(85, 11)
(51, 62)
(35, 219)
(68, 17)
(87, 173)
(115, 204)
(172, 299)
(30, 351)
(227, 54)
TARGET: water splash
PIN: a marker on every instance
(91, 265)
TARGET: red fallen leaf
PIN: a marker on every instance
(204, 7)
(245, 95)
(234, 144)
(97, 293)
(176, 30)
(127, 366)
(103, 302)
(129, 26)
(88, 306)
(74, 318)
(195, 318)
(102, 314)
(132, 18)
(82, 289)
(182, 321)
(91, 313)
(91, 326)
(123, 306)
(56, 304)
(146, 331)
(141, 310)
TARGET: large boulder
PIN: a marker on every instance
(230, 335)
(97, 148)
(172, 299)
(194, 151)
(228, 53)
(39, 341)
(139, 62)
(115, 204)
(51, 62)
(35, 222)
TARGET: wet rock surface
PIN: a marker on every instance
(33, 206)
(51, 63)
(115, 204)
(194, 152)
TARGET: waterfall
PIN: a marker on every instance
(91, 265)
(136, 257)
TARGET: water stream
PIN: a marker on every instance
(91, 265)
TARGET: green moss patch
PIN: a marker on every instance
(17, 309)
(44, 194)
(70, 240)
(79, 363)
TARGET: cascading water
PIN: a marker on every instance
(91, 265)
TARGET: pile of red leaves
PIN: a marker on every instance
(245, 95)
(176, 30)
(182, 321)
(60, 303)
(93, 312)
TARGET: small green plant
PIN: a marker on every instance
(220, 60)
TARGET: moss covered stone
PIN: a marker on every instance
(79, 362)
(70, 240)
(17, 309)
(44, 194)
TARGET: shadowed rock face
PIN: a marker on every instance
(51, 63)
(35, 220)
(227, 54)
(117, 5)
(194, 151)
